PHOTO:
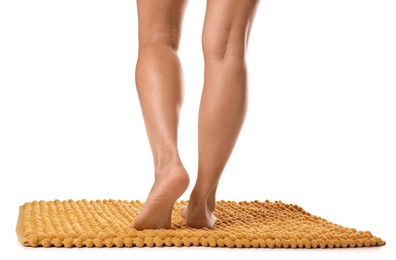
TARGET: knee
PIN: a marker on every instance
(159, 37)
(223, 44)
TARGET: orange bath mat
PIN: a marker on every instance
(105, 223)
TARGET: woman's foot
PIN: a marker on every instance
(199, 214)
(169, 185)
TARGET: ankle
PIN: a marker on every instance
(198, 197)
(167, 161)
(173, 172)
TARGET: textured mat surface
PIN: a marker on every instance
(105, 223)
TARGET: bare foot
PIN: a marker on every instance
(198, 214)
(157, 210)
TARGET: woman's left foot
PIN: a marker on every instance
(157, 210)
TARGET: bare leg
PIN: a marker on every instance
(159, 85)
(224, 100)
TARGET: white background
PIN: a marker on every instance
(320, 130)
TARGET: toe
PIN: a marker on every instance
(183, 211)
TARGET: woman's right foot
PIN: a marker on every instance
(199, 214)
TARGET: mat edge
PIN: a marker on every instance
(20, 227)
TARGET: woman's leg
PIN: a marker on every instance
(159, 83)
(224, 100)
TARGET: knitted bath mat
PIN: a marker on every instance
(105, 223)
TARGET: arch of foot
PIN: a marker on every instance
(240, 224)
